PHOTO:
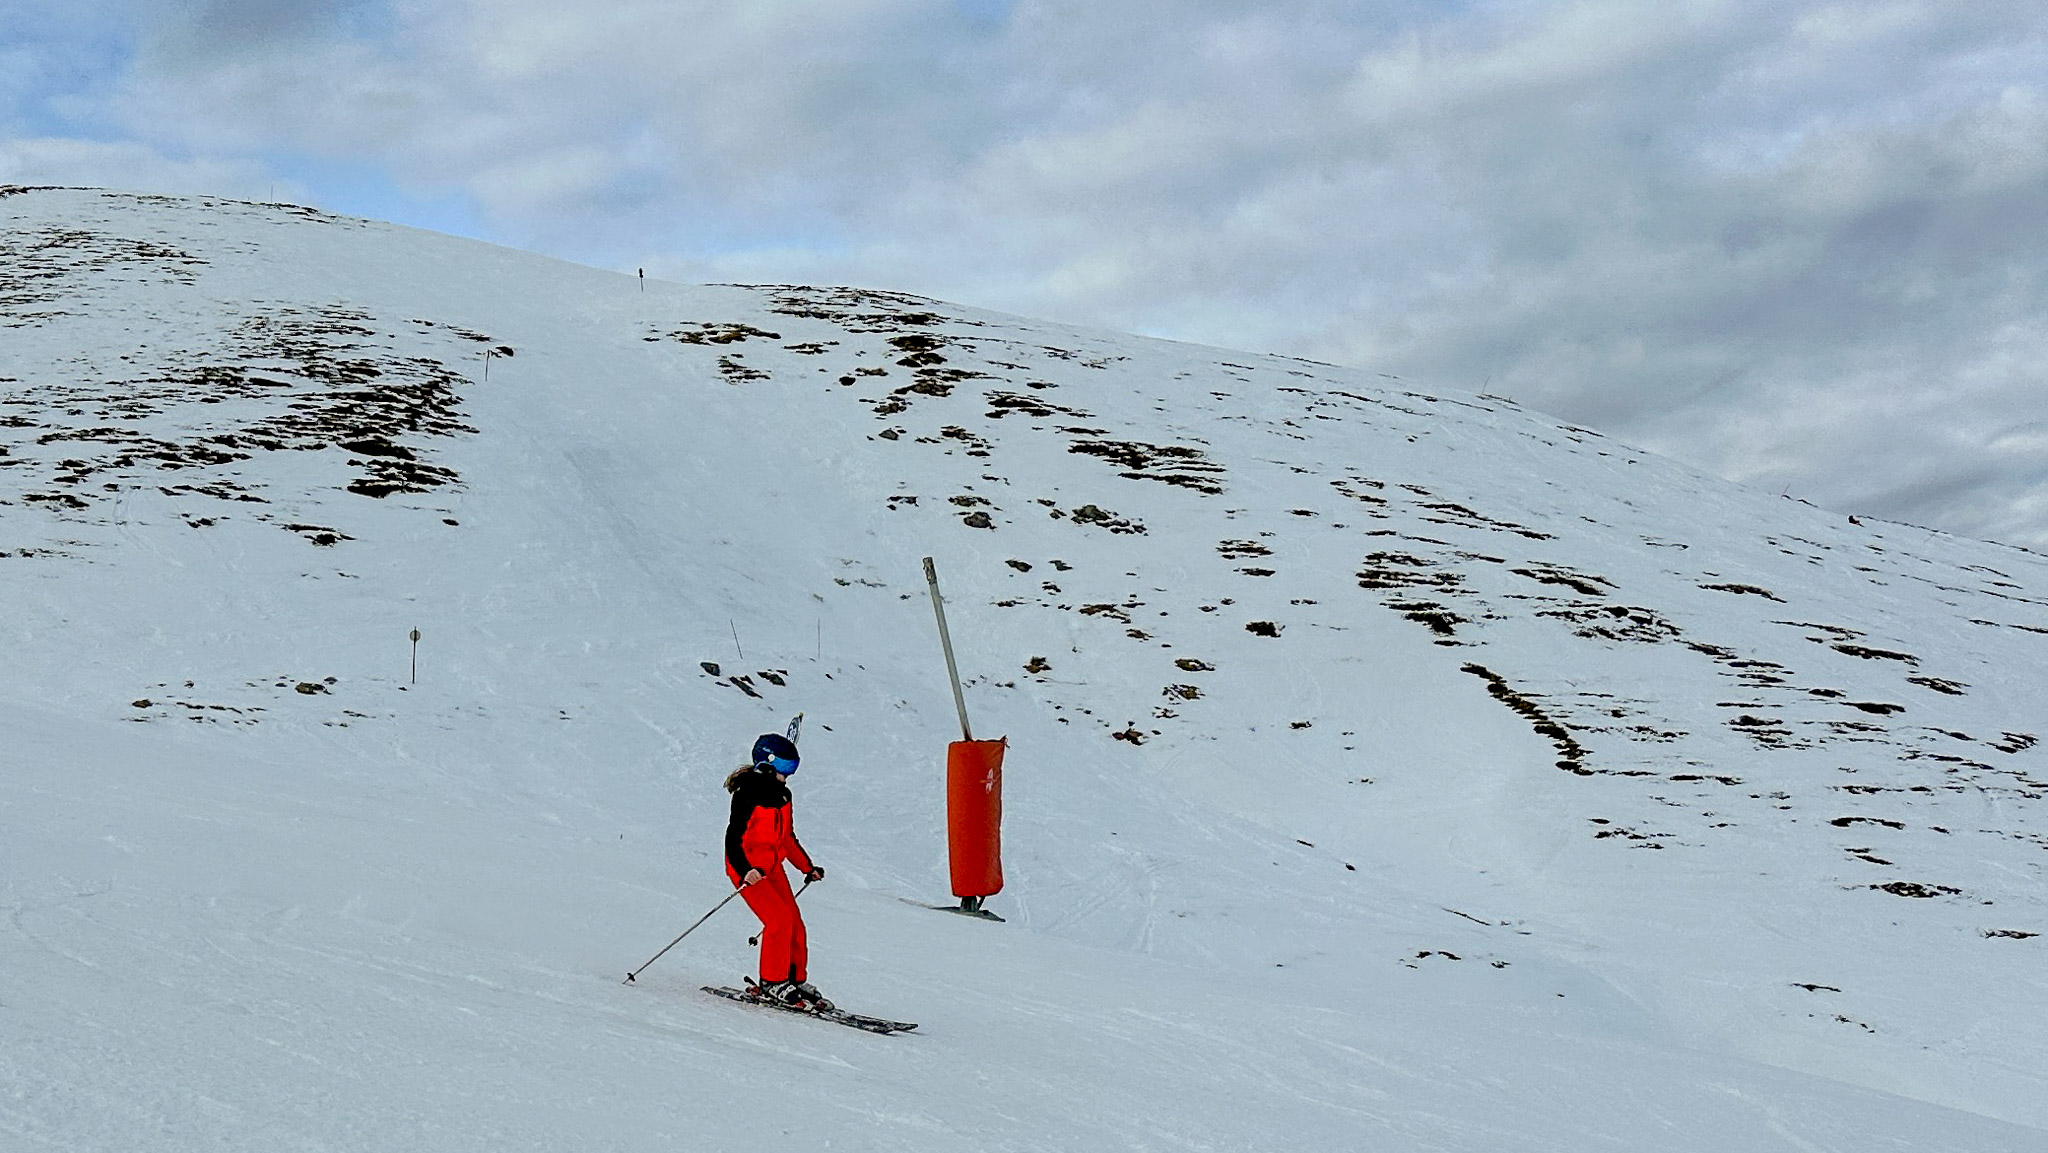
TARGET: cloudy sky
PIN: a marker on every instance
(1801, 244)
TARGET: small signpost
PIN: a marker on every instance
(415, 656)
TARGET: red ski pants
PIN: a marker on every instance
(785, 949)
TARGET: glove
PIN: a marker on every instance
(752, 876)
(816, 874)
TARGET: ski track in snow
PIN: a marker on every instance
(1389, 768)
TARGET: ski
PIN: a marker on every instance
(837, 1016)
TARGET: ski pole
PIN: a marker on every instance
(681, 935)
(756, 938)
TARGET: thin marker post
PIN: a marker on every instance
(931, 577)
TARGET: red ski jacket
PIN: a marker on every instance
(761, 834)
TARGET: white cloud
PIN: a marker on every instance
(1800, 242)
(137, 167)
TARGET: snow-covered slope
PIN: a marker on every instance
(1388, 769)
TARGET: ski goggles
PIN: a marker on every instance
(783, 765)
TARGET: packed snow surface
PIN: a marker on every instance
(1389, 767)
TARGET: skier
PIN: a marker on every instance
(758, 838)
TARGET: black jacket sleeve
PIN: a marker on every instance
(742, 812)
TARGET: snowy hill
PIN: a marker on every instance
(1389, 769)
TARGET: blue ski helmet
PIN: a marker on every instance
(777, 752)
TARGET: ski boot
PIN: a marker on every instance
(788, 994)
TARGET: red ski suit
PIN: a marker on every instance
(760, 835)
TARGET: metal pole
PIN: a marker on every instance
(931, 576)
(680, 936)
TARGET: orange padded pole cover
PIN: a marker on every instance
(974, 816)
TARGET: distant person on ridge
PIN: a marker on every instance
(758, 839)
